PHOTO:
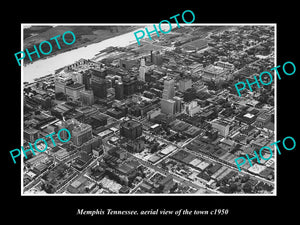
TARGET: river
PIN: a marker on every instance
(47, 66)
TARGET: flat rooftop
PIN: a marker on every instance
(214, 69)
(75, 85)
(130, 123)
(31, 130)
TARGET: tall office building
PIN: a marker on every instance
(86, 79)
(131, 129)
(81, 133)
(185, 84)
(178, 104)
(73, 91)
(143, 62)
(78, 77)
(142, 73)
(98, 83)
(192, 108)
(61, 82)
(87, 97)
(156, 58)
(129, 85)
(142, 70)
(119, 90)
(68, 124)
(167, 106)
(169, 90)
(145, 67)
(148, 75)
(167, 103)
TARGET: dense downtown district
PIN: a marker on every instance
(163, 117)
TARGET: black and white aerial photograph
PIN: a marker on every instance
(123, 112)
(116, 109)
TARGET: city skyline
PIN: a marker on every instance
(160, 119)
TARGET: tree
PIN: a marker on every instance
(245, 178)
(172, 189)
(163, 165)
(247, 188)
(233, 188)
(154, 147)
(143, 175)
(168, 132)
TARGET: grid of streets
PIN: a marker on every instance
(160, 118)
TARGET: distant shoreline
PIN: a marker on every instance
(80, 45)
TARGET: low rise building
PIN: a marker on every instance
(222, 126)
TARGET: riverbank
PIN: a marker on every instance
(85, 35)
(49, 65)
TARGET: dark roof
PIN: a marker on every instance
(130, 123)
(75, 85)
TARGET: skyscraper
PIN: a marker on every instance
(61, 82)
(98, 83)
(79, 78)
(167, 106)
(73, 91)
(129, 85)
(143, 62)
(119, 90)
(148, 76)
(69, 124)
(156, 58)
(178, 104)
(87, 97)
(192, 108)
(169, 91)
(142, 70)
(86, 79)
